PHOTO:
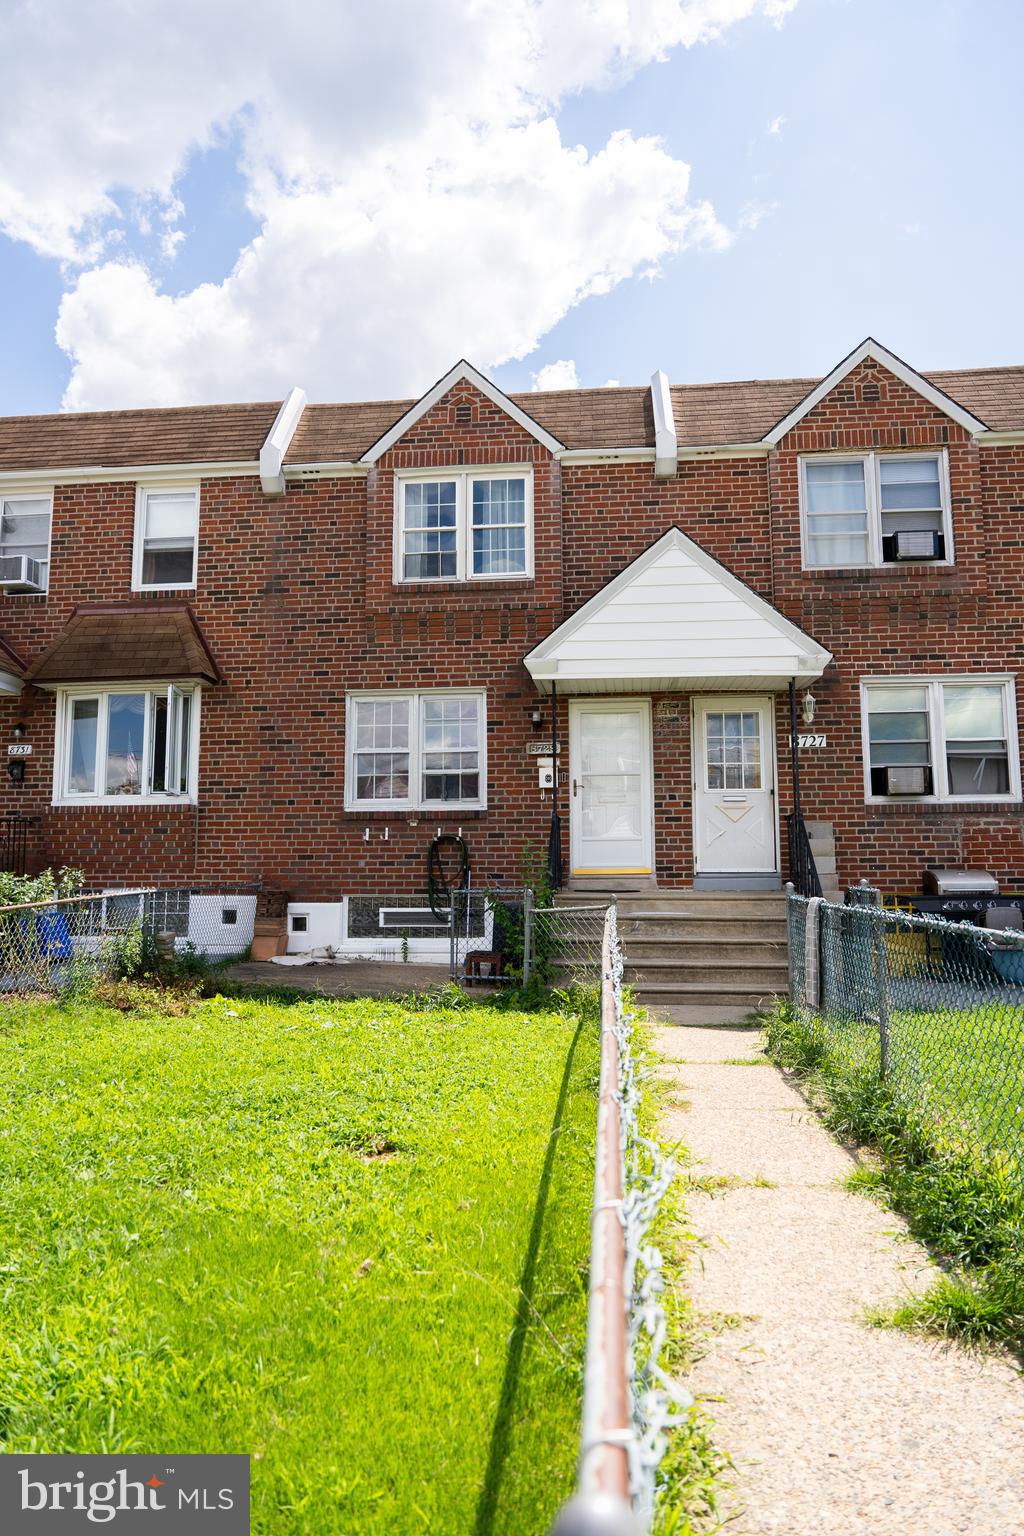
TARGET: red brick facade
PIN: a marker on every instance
(297, 601)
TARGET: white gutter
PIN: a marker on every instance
(278, 442)
(666, 444)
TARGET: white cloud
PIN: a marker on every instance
(414, 198)
(776, 126)
(560, 375)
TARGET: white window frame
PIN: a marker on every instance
(464, 478)
(102, 692)
(413, 802)
(142, 493)
(937, 738)
(873, 499)
(42, 494)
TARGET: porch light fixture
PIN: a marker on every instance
(19, 729)
(537, 717)
(810, 704)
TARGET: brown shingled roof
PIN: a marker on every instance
(10, 661)
(108, 439)
(706, 414)
(119, 642)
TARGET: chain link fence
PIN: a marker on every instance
(935, 1008)
(629, 1401)
(62, 945)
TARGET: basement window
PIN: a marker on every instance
(949, 740)
(874, 509)
(126, 744)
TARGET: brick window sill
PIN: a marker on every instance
(947, 808)
(412, 818)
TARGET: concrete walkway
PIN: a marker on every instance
(834, 1428)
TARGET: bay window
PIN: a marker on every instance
(166, 538)
(126, 743)
(463, 525)
(415, 751)
(874, 509)
(954, 739)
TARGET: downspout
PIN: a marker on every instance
(793, 751)
(555, 834)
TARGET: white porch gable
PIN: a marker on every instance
(675, 620)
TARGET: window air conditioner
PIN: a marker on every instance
(914, 544)
(906, 781)
(20, 573)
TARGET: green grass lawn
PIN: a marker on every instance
(338, 1236)
(960, 1070)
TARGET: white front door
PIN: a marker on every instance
(734, 786)
(610, 770)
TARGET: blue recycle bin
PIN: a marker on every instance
(49, 934)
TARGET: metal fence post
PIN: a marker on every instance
(452, 965)
(882, 960)
(527, 933)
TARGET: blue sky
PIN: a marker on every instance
(861, 156)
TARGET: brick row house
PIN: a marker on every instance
(282, 646)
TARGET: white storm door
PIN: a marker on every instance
(734, 786)
(611, 792)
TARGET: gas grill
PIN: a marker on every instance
(962, 895)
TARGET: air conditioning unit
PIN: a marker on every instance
(20, 573)
(914, 544)
(907, 780)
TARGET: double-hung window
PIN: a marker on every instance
(166, 538)
(25, 542)
(127, 743)
(464, 526)
(875, 509)
(954, 739)
(416, 751)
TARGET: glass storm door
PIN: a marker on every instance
(610, 769)
(734, 786)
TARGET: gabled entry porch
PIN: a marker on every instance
(671, 675)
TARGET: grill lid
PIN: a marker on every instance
(959, 882)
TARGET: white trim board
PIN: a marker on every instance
(462, 371)
(279, 440)
(869, 347)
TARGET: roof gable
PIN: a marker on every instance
(903, 371)
(675, 616)
(462, 370)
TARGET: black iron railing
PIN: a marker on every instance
(802, 869)
(14, 843)
(555, 853)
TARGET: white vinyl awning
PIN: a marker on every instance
(675, 620)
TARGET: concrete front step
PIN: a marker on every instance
(708, 930)
(688, 949)
(702, 994)
(727, 978)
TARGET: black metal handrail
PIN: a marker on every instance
(802, 869)
(14, 843)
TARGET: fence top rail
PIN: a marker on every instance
(896, 917)
(67, 901)
(563, 907)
